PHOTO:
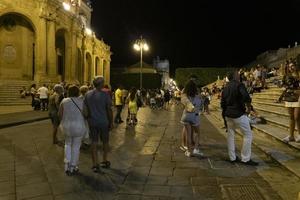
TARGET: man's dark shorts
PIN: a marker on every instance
(102, 132)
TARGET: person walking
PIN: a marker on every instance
(73, 127)
(190, 118)
(97, 110)
(118, 104)
(54, 102)
(236, 103)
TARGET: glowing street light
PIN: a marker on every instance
(66, 6)
(141, 45)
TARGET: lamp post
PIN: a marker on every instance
(141, 45)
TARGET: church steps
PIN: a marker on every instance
(265, 99)
(280, 105)
(268, 137)
(271, 131)
(267, 94)
(285, 154)
(271, 109)
(10, 92)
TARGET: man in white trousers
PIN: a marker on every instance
(236, 103)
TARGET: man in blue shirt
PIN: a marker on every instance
(97, 109)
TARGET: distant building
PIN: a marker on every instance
(163, 68)
(145, 69)
(276, 58)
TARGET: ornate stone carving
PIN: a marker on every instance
(9, 54)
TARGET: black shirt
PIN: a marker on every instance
(234, 97)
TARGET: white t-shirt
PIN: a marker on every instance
(43, 92)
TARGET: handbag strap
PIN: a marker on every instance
(77, 106)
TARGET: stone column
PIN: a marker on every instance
(51, 51)
(73, 56)
(40, 53)
(107, 72)
(83, 51)
(101, 67)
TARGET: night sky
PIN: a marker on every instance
(193, 33)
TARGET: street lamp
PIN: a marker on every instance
(141, 45)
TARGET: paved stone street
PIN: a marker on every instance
(146, 164)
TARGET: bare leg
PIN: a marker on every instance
(189, 138)
(196, 130)
(183, 137)
(105, 151)
(297, 119)
(55, 140)
(292, 122)
(94, 154)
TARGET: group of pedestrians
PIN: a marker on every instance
(89, 111)
(78, 115)
(236, 105)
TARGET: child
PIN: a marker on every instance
(132, 107)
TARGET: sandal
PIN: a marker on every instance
(105, 164)
(68, 173)
(96, 169)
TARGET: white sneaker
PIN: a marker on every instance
(187, 153)
(288, 139)
(197, 152)
(183, 148)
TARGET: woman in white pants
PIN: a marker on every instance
(73, 127)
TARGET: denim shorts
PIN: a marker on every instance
(190, 118)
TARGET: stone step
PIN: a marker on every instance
(268, 92)
(281, 121)
(275, 105)
(273, 117)
(273, 147)
(275, 132)
(266, 98)
(279, 112)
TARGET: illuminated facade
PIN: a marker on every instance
(48, 41)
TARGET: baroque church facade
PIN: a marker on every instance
(48, 41)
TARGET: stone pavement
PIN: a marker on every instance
(14, 109)
(146, 164)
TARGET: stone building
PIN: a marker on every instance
(47, 41)
(276, 58)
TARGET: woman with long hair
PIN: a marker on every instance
(190, 117)
(292, 83)
(54, 102)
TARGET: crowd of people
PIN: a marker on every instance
(84, 114)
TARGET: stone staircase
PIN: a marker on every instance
(269, 137)
(10, 92)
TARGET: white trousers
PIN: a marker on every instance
(243, 124)
(72, 150)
